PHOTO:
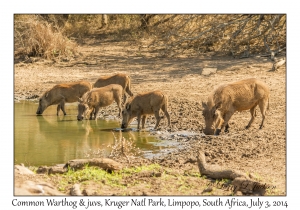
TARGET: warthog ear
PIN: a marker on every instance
(204, 105)
(46, 95)
(80, 100)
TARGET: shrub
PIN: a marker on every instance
(36, 37)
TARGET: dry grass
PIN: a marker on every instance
(34, 37)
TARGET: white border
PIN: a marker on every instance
(8, 8)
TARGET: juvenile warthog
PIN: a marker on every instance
(61, 94)
(120, 79)
(145, 104)
(92, 101)
(229, 98)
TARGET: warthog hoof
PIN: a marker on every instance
(217, 132)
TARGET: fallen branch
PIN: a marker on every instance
(277, 64)
(76, 63)
(241, 181)
(215, 171)
(103, 163)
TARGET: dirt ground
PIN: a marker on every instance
(259, 152)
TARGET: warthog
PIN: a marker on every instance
(120, 79)
(92, 101)
(229, 98)
(61, 94)
(145, 104)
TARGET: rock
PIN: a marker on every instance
(35, 188)
(21, 169)
(209, 189)
(88, 192)
(209, 70)
(75, 190)
(59, 169)
(42, 170)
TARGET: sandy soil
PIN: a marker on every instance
(259, 152)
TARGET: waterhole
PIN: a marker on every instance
(49, 139)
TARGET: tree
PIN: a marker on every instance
(104, 21)
(240, 34)
(145, 19)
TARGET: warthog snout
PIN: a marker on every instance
(123, 125)
(79, 118)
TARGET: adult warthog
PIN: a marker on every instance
(61, 94)
(144, 104)
(120, 79)
(229, 98)
(92, 101)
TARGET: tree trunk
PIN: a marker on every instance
(104, 21)
(145, 19)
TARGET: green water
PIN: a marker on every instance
(51, 139)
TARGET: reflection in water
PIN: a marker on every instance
(49, 139)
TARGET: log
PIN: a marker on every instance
(277, 64)
(103, 163)
(216, 171)
(240, 180)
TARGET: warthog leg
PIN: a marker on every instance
(96, 111)
(223, 122)
(227, 117)
(143, 121)
(57, 109)
(226, 128)
(263, 108)
(92, 113)
(168, 117)
(119, 103)
(124, 98)
(164, 108)
(156, 113)
(218, 126)
(61, 106)
(138, 119)
(253, 115)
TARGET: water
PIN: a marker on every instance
(51, 139)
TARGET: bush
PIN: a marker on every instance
(37, 37)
